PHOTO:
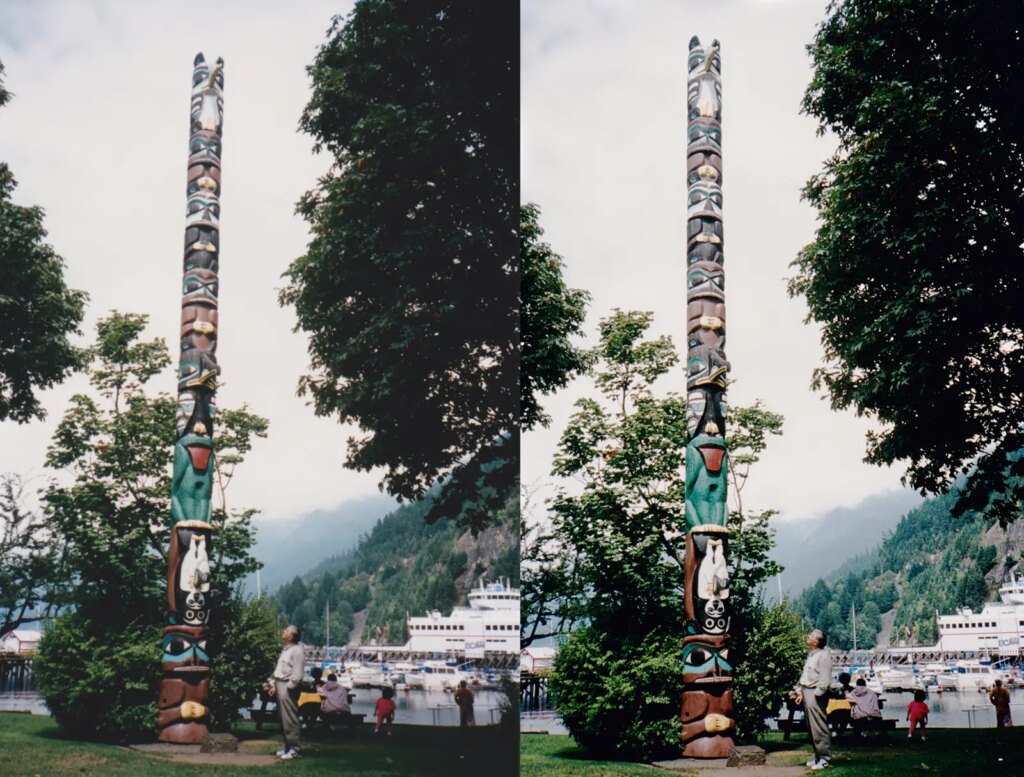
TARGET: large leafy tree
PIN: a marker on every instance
(38, 311)
(916, 273)
(109, 509)
(408, 287)
(552, 315)
(610, 566)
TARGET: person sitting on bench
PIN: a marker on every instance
(335, 699)
(865, 703)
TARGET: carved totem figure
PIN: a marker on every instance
(708, 725)
(185, 688)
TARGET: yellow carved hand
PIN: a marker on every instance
(192, 709)
(715, 723)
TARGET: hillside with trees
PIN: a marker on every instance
(403, 566)
(932, 562)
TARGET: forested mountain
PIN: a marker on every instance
(294, 546)
(403, 566)
(931, 563)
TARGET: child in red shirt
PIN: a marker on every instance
(917, 714)
(385, 710)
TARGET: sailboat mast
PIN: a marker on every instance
(853, 608)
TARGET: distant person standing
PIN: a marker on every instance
(917, 714)
(287, 680)
(385, 709)
(1000, 697)
(812, 692)
(464, 699)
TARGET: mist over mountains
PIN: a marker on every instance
(816, 547)
(294, 546)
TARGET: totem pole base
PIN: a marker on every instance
(709, 747)
(184, 734)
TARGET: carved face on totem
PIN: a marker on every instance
(703, 407)
(202, 208)
(195, 407)
(201, 246)
(203, 178)
(703, 135)
(705, 322)
(704, 239)
(199, 287)
(704, 198)
(204, 148)
(705, 279)
(184, 649)
(703, 166)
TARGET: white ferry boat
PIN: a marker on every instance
(998, 628)
(490, 624)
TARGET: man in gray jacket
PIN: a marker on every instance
(812, 692)
(287, 677)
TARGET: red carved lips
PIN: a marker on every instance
(712, 455)
(200, 455)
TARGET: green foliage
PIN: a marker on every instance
(916, 272)
(109, 515)
(551, 315)
(773, 648)
(408, 286)
(38, 312)
(100, 680)
(246, 640)
(619, 697)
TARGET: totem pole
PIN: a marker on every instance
(185, 687)
(707, 720)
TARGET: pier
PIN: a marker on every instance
(373, 653)
(917, 655)
(534, 695)
(14, 668)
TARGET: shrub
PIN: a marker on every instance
(771, 657)
(617, 699)
(99, 682)
(623, 700)
(246, 640)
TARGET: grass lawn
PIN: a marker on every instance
(33, 745)
(960, 752)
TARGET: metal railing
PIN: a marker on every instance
(974, 711)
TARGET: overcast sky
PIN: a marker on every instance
(97, 134)
(604, 155)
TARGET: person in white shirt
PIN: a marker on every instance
(285, 690)
(812, 692)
